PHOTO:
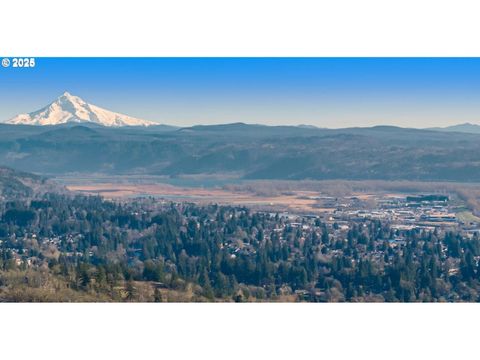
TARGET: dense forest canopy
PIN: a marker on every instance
(83, 248)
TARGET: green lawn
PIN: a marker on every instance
(467, 216)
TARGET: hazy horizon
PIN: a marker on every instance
(323, 92)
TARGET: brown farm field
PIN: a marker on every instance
(293, 196)
(293, 201)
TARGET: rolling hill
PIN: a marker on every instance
(244, 151)
(464, 128)
(18, 184)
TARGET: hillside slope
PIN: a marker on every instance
(16, 184)
(245, 152)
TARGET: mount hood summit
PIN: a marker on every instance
(68, 108)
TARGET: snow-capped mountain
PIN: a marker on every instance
(69, 108)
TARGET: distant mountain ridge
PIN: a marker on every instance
(465, 127)
(68, 108)
(243, 151)
(83, 138)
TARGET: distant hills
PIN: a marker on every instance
(83, 138)
(466, 128)
(244, 151)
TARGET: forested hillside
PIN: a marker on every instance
(18, 184)
(62, 248)
(245, 152)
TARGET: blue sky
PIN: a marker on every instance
(326, 92)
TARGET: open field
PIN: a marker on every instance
(294, 196)
(277, 195)
(295, 201)
(467, 217)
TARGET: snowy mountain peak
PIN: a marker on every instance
(67, 96)
(69, 108)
